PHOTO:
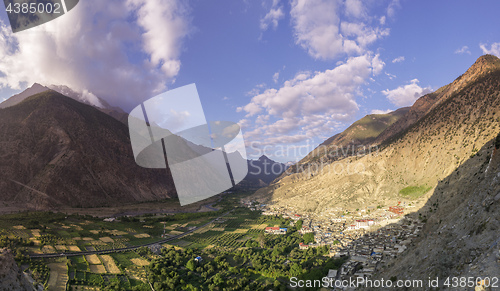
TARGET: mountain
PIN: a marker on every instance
(12, 277)
(91, 99)
(15, 99)
(361, 133)
(460, 237)
(85, 97)
(458, 120)
(56, 151)
(261, 172)
(484, 65)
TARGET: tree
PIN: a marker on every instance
(261, 239)
(308, 237)
(299, 224)
(191, 265)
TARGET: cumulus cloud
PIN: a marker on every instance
(378, 111)
(463, 50)
(272, 17)
(493, 50)
(393, 6)
(276, 77)
(319, 30)
(398, 59)
(310, 104)
(94, 50)
(407, 94)
(355, 8)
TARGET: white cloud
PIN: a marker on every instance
(382, 20)
(391, 76)
(276, 77)
(398, 59)
(463, 50)
(378, 111)
(407, 94)
(393, 6)
(91, 50)
(272, 17)
(319, 30)
(493, 50)
(310, 104)
(355, 8)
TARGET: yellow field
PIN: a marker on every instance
(106, 239)
(35, 232)
(166, 245)
(61, 248)
(87, 239)
(94, 231)
(218, 229)
(143, 235)
(116, 232)
(93, 259)
(74, 248)
(175, 232)
(109, 263)
(140, 262)
(240, 230)
(77, 227)
(48, 249)
(19, 227)
(259, 226)
(58, 276)
(98, 269)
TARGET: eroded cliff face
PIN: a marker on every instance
(11, 278)
(460, 238)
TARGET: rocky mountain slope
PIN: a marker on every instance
(92, 100)
(360, 134)
(460, 238)
(55, 151)
(11, 278)
(423, 152)
(262, 172)
(15, 99)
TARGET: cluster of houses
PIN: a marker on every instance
(275, 230)
(369, 251)
(348, 235)
(361, 223)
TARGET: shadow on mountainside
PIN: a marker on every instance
(461, 235)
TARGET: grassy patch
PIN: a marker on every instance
(414, 192)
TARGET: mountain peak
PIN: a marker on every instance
(264, 158)
(488, 59)
(15, 99)
(483, 64)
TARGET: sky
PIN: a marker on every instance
(291, 72)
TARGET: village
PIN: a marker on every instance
(368, 237)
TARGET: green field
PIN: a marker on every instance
(414, 192)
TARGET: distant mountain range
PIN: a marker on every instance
(58, 151)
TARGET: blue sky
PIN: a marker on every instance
(292, 73)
